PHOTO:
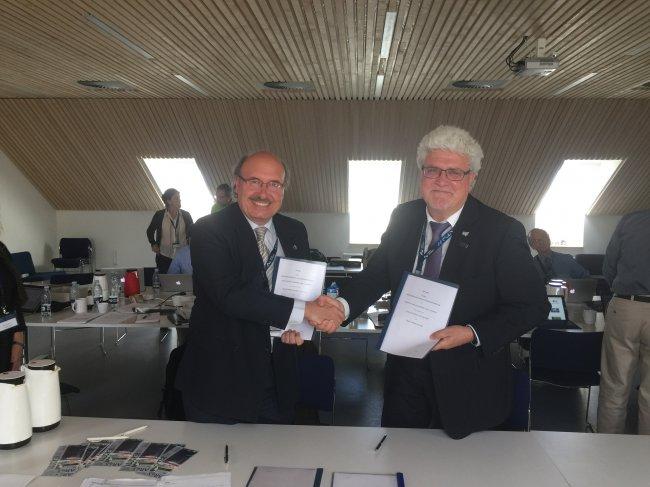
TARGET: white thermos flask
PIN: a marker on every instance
(44, 394)
(15, 416)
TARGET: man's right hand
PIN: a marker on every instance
(325, 314)
(156, 248)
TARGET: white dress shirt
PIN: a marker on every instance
(270, 237)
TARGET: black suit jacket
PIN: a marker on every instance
(500, 295)
(228, 361)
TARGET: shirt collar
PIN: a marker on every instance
(269, 226)
(452, 220)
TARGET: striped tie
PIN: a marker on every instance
(260, 233)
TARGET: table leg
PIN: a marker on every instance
(101, 341)
(53, 342)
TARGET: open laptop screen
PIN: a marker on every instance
(558, 308)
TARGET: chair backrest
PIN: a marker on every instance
(23, 262)
(317, 255)
(65, 278)
(73, 248)
(592, 262)
(566, 350)
(316, 381)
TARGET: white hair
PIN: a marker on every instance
(453, 139)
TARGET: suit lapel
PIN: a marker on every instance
(246, 238)
(411, 239)
(290, 246)
(460, 243)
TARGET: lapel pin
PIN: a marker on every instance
(465, 234)
(295, 247)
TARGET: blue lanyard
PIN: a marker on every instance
(424, 255)
(271, 258)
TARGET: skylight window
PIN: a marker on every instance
(373, 193)
(184, 175)
(573, 193)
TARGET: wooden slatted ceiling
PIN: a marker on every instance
(228, 47)
(84, 154)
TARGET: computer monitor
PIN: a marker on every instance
(558, 310)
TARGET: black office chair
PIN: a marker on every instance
(73, 251)
(566, 359)
(317, 383)
(81, 279)
(519, 419)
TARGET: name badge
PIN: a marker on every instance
(8, 321)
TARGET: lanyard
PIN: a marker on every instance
(269, 261)
(424, 255)
(175, 225)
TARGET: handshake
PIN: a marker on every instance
(323, 313)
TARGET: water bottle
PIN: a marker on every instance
(46, 303)
(333, 290)
(97, 294)
(114, 292)
(155, 283)
(74, 291)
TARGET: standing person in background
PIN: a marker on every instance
(223, 198)
(12, 323)
(169, 229)
(626, 342)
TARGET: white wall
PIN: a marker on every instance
(27, 220)
(119, 236)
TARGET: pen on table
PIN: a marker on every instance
(381, 442)
(225, 455)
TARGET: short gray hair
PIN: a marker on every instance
(453, 139)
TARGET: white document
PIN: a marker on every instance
(222, 479)
(423, 307)
(341, 479)
(15, 480)
(299, 279)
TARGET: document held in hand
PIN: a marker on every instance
(422, 307)
(299, 279)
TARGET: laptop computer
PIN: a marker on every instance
(580, 290)
(558, 316)
(33, 302)
(176, 283)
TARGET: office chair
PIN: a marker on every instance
(317, 383)
(73, 251)
(64, 278)
(566, 359)
(519, 419)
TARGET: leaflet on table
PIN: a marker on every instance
(422, 307)
(343, 479)
(285, 476)
(221, 479)
(299, 279)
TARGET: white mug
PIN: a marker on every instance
(589, 316)
(80, 305)
(102, 307)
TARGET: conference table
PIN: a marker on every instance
(427, 458)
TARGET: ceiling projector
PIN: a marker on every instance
(536, 66)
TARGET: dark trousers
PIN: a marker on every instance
(269, 412)
(163, 263)
(409, 395)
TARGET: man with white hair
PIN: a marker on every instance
(464, 384)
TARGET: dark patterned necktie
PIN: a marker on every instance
(432, 267)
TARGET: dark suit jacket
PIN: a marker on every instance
(227, 362)
(500, 295)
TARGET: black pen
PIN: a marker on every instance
(225, 455)
(381, 442)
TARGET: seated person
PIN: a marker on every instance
(552, 264)
(182, 262)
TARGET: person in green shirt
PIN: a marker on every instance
(223, 198)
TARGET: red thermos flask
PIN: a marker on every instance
(131, 282)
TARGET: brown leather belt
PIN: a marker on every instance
(632, 297)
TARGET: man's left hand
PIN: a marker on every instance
(452, 336)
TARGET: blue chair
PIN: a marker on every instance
(317, 382)
(519, 419)
(566, 359)
(64, 278)
(25, 266)
(73, 251)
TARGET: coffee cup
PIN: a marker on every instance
(589, 316)
(80, 305)
(102, 307)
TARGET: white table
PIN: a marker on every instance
(426, 457)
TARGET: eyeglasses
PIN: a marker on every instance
(453, 174)
(257, 184)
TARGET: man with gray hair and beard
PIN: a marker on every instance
(464, 383)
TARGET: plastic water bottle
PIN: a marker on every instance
(46, 303)
(114, 292)
(333, 290)
(98, 294)
(74, 291)
(155, 283)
